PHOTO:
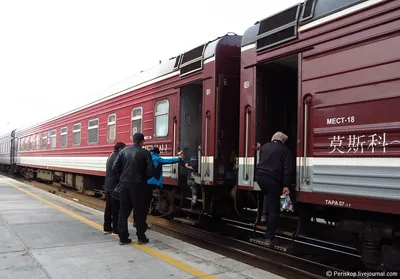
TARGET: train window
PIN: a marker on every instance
(44, 140)
(37, 141)
(93, 131)
(161, 115)
(53, 139)
(137, 116)
(30, 143)
(63, 136)
(112, 127)
(76, 134)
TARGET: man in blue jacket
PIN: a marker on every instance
(157, 179)
(158, 162)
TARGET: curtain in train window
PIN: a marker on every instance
(64, 136)
(112, 127)
(38, 141)
(44, 140)
(53, 139)
(76, 134)
(161, 121)
(93, 131)
(137, 120)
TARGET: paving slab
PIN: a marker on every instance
(8, 242)
(45, 235)
(256, 273)
(28, 205)
(233, 275)
(232, 265)
(51, 215)
(20, 265)
(104, 260)
(198, 263)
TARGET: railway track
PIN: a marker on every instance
(224, 239)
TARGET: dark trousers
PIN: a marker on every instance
(149, 196)
(135, 197)
(265, 204)
(273, 190)
(111, 214)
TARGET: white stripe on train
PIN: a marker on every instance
(99, 163)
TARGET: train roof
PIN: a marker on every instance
(288, 21)
(164, 69)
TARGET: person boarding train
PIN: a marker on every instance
(273, 175)
(157, 179)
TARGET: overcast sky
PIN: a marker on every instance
(55, 55)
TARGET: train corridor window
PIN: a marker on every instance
(161, 115)
(112, 127)
(37, 141)
(44, 140)
(30, 142)
(136, 124)
(53, 139)
(63, 136)
(93, 130)
(76, 134)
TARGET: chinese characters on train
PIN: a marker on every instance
(163, 147)
(373, 143)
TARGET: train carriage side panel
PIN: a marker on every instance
(353, 156)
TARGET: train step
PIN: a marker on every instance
(280, 232)
(282, 245)
(193, 211)
(189, 199)
(187, 221)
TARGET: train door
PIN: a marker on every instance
(13, 150)
(227, 115)
(276, 101)
(190, 124)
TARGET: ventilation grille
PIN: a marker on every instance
(278, 20)
(308, 10)
(278, 28)
(277, 38)
(193, 54)
(192, 61)
(190, 68)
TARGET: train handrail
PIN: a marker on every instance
(206, 172)
(246, 149)
(307, 102)
(174, 145)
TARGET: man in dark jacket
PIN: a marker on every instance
(112, 204)
(273, 175)
(133, 167)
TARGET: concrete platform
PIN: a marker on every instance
(46, 236)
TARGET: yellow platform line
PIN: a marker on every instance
(148, 250)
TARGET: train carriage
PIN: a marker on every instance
(324, 72)
(177, 105)
(7, 150)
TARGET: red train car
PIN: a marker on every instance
(176, 105)
(326, 74)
